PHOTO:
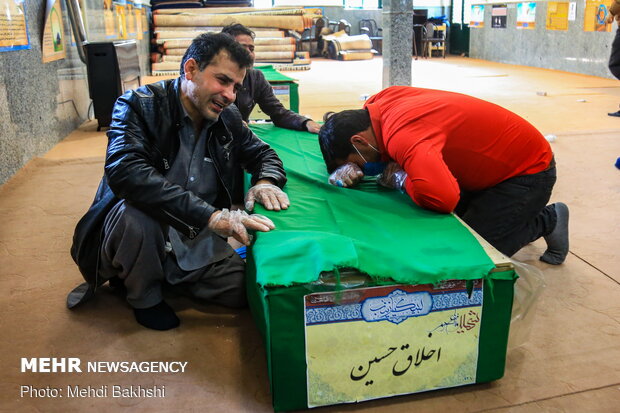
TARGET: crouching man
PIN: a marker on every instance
(161, 215)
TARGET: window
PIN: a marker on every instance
(362, 4)
(348, 4)
(461, 11)
(263, 4)
(301, 3)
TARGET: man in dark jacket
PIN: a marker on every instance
(257, 90)
(161, 215)
(614, 58)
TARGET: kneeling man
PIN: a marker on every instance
(454, 153)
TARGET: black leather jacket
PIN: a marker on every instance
(257, 90)
(142, 144)
(614, 58)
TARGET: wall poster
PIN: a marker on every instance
(526, 15)
(130, 20)
(557, 15)
(572, 11)
(499, 13)
(120, 9)
(145, 21)
(477, 16)
(53, 44)
(109, 19)
(595, 16)
(13, 28)
(137, 11)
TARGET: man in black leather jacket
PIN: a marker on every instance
(160, 216)
(257, 90)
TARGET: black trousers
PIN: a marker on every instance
(134, 249)
(513, 213)
(614, 57)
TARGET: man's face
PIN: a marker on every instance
(247, 42)
(209, 91)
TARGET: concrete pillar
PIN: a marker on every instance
(397, 42)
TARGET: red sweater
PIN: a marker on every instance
(448, 142)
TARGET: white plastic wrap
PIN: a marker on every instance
(528, 287)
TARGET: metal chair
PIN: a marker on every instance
(312, 36)
(340, 25)
(370, 28)
(434, 38)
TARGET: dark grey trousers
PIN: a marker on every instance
(134, 249)
(513, 213)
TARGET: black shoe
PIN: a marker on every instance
(159, 317)
(617, 114)
(117, 285)
(557, 240)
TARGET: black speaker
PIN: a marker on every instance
(113, 68)
(420, 16)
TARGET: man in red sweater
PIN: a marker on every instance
(454, 153)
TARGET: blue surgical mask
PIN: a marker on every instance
(374, 168)
(371, 168)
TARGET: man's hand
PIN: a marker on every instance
(614, 12)
(312, 126)
(236, 224)
(393, 177)
(268, 194)
(346, 176)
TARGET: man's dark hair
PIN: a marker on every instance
(238, 29)
(206, 46)
(335, 135)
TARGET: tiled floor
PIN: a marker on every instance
(571, 362)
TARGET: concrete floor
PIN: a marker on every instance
(571, 362)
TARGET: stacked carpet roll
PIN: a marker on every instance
(174, 29)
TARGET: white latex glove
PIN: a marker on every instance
(347, 175)
(236, 224)
(393, 177)
(272, 197)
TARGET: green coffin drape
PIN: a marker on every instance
(377, 231)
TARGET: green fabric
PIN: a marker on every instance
(378, 231)
(279, 312)
(275, 77)
(294, 97)
(496, 313)
(272, 75)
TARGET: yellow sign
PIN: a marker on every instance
(138, 18)
(53, 45)
(595, 16)
(13, 32)
(384, 341)
(283, 93)
(109, 19)
(121, 20)
(130, 20)
(557, 15)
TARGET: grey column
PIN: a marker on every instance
(397, 42)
